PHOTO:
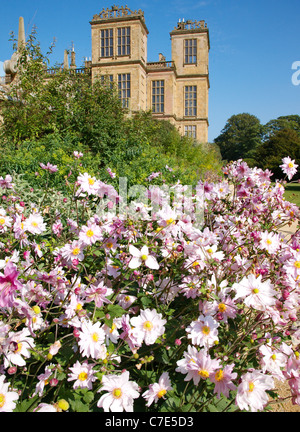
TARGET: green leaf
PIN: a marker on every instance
(88, 397)
(78, 406)
(27, 404)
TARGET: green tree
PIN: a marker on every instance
(240, 137)
(269, 154)
(41, 103)
(283, 122)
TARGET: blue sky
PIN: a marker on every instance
(253, 45)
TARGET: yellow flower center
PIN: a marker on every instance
(2, 400)
(205, 330)
(95, 337)
(255, 291)
(113, 327)
(90, 233)
(169, 221)
(291, 165)
(297, 264)
(109, 245)
(210, 250)
(117, 393)
(203, 373)
(222, 307)
(251, 386)
(19, 347)
(36, 309)
(91, 181)
(144, 257)
(34, 224)
(2, 221)
(161, 393)
(219, 375)
(273, 357)
(148, 325)
(79, 306)
(269, 241)
(76, 251)
(82, 376)
(195, 264)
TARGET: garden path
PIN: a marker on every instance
(283, 388)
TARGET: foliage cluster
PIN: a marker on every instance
(55, 113)
(264, 146)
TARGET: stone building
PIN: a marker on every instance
(175, 90)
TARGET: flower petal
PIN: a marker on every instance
(134, 251)
(134, 263)
(152, 263)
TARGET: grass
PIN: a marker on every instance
(292, 193)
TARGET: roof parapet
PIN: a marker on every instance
(118, 12)
(190, 25)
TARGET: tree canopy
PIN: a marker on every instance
(282, 143)
(240, 137)
(264, 146)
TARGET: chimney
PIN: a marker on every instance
(21, 34)
(73, 55)
(66, 61)
(88, 63)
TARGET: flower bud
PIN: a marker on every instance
(53, 382)
(63, 405)
(12, 370)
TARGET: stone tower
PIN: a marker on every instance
(190, 49)
(119, 53)
(175, 90)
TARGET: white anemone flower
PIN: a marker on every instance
(158, 390)
(149, 324)
(91, 340)
(7, 398)
(17, 347)
(142, 257)
(256, 294)
(203, 331)
(251, 392)
(120, 393)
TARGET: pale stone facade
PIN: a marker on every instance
(175, 90)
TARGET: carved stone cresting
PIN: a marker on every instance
(191, 25)
(117, 12)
